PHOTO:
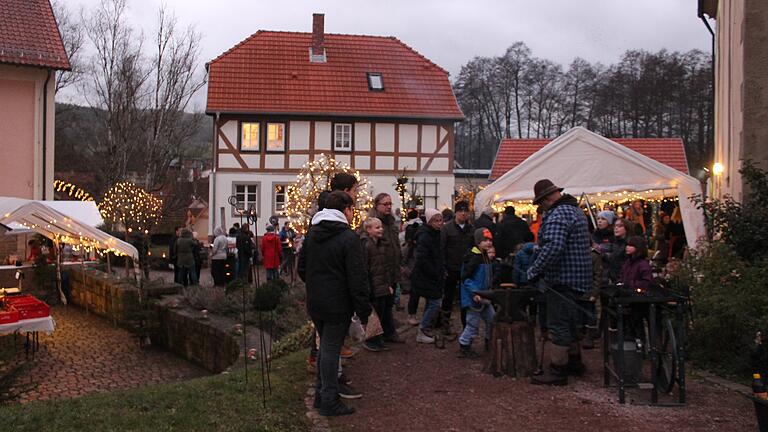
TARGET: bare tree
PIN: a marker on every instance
(73, 38)
(173, 81)
(116, 76)
(645, 94)
(139, 99)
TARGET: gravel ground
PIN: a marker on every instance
(419, 387)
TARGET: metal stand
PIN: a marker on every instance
(675, 304)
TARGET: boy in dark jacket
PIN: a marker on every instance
(381, 280)
(476, 275)
(330, 264)
(427, 274)
(455, 241)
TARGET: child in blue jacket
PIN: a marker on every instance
(476, 275)
(523, 259)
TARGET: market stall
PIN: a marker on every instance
(589, 165)
(55, 221)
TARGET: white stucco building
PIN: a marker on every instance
(280, 99)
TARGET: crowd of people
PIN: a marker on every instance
(445, 258)
(232, 254)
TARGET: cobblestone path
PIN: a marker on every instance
(87, 354)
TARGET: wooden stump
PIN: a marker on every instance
(513, 350)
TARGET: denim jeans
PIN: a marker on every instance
(430, 313)
(473, 324)
(563, 318)
(188, 276)
(450, 289)
(272, 274)
(327, 377)
(383, 308)
(413, 303)
(588, 319)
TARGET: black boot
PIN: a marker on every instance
(445, 326)
(557, 372)
(590, 338)
(553, 375)
(335, 408)
(575, 366)
(487, 345)
(465, 351)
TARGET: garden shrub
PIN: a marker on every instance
(297, 340)
(729, 305)
(741, 225)
(728, 277)
(268, 295)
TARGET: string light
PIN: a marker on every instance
(314, 178)
(131, 206)
(72, 190)
(599, 200)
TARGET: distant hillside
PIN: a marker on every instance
(76, 126)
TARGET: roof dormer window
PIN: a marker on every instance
(375, 82)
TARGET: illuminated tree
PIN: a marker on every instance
(314, 178)
(130, 206)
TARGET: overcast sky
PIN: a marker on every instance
(449, 32)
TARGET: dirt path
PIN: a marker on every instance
(419, 387)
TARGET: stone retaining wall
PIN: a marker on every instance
(184, 333)
(104, 295)
(178, 330)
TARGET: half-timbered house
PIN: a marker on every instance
(280, 99)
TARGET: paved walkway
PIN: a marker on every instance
(419, 387)
(87, 354)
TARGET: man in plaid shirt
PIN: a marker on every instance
(565, 264)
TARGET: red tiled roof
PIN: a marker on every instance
(270, 72)
(669, 151)
(30, 36)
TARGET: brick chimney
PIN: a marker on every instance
(317, 51)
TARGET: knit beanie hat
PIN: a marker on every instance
(607, 215)
(430, 213)
(482, 234)
(461, 206)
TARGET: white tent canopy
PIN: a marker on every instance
(584, 162)
(53, 220)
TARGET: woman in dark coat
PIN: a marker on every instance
(614, 253)
(428, 273)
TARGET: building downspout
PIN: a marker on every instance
(45, 132)
(714, 93)
(214, 147)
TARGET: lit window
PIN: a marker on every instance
(249, 137)
(280, 195)
(275, 137)
(342, 137)
(375, 82)
(247, 196)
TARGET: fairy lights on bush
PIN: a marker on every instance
(129, 205)
(314, 178)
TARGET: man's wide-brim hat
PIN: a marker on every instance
(542, 188)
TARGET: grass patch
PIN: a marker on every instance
(217, 403)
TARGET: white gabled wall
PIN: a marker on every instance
(379, 183)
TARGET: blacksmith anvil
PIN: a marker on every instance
(511, 303)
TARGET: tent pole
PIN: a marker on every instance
(57, 245)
